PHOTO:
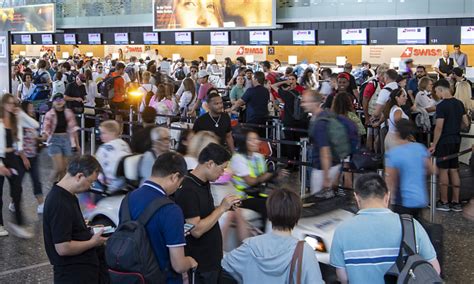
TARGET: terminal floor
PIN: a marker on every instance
(25, 261)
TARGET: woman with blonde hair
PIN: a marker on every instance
(464, 94)
(195, 14)
(147, 89)
(199, 141)
(425, 98)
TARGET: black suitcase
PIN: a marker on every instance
(436, 234)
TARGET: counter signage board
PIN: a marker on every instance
(304, 37)
(47, 39)
(219, 38)
(182, 38)
(150, 38)
(121, 38)
(467, 35)
(259, 37)
(259, 53)
(69, 39)
(421, 54)
(128, 50)
(411, 35)
(25, 39)
(354, 36)
(94, 39)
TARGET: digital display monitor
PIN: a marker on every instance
(182, 38)
(411, 35)
(121, 38)
(94, 38)
(259, 37)
(354, 36)
(25, 39)
(69, 39)
(219, 38)
(150, 38)
(29, 19)
(304, 37)
(47, 39)
(223, 14)
(467, 35)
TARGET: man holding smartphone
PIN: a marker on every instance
(195, 199)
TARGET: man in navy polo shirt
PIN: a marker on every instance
(165, 229)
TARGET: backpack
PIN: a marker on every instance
(39, 79)
(41, 90)
(70, 78)
(130, 70)
(373, 99)
(412, 268)
(362, 87)
(338, 135)
(298, 111)
(106, 87)
(179, 74)
(129, 254)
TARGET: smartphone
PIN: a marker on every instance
(188, 228)
(108, 230)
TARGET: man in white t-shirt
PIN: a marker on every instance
(110, 153)
(99, 74)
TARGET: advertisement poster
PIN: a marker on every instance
(421, 54)
(128, 50)
(354, 36)
(5, 63)
(259, 53)
(194, 15)
(411, 35)
(28, 19)
(3, 46)
(467, 35)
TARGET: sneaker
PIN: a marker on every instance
(442, 206)
(456, 207)
(40, 208)
(19, 231)
(3, 232)
(325, 194)
(11, 207)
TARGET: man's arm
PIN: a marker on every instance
(437, 133)
(391, 178)
(342, 275)
(237, 104)
(72, 248)
(202, 226)
(179, 261)
(230, 141)
(465, 121)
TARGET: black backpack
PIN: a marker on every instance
(298, 112)
(179, 74)
(129, 254)
(130, 70)
(411, 268)
(362, 87)
(106, 87)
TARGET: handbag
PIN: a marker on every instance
(297, 259)
(367, 161)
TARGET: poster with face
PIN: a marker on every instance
(212, 14)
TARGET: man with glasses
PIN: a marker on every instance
(193, 71)
(99, 74)
(165, 228)
(412, 89)
(195, 199)
(160, 140)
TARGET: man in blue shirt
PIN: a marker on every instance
(412, 86)
(165, 229)
(366, 246)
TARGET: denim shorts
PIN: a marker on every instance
(60, 145)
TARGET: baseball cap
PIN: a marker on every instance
(82, 77)
(202, 74)
(344, 75)
(57, 96)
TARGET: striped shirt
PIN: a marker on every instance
(367, 245)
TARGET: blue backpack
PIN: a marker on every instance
(106, 87)
(42, 90)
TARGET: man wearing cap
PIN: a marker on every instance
(205, 86)
(459, 57)
(75, 94)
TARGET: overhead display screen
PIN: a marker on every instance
(26, 39)
(411, 36)
(467, 35)
(94, 39)
(182, 38)
(28, 19)
(47, 39)
(259, 37)
(304, 37)
(121, 38)
(207, 14)
(150, 38)
(219, 38)
(354, 36)
(69, 39)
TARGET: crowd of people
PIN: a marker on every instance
(362, 110)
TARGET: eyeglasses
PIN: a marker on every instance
(58, 100)
(100, 67)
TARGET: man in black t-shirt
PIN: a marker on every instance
(75, 94)
(216, 120)
(141, 140)
(450, 116)
(69, 243)
(195, 199)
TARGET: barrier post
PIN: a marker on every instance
(274, 126)
(130, 130)
(266, 129)
(83, 134)
(92, 141)
(278, 137)
(304, 155)
(433, 192)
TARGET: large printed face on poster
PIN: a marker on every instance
(28, 19)
(212, 14)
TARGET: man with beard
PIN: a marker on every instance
(216, 120)
(412, 89)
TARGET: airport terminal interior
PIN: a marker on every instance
(344, 124)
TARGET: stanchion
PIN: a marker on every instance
(433, 192)
(130, 119)
(92, 141)
(83, 134)
(278, 137)
(266, 130)
(304, 155)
